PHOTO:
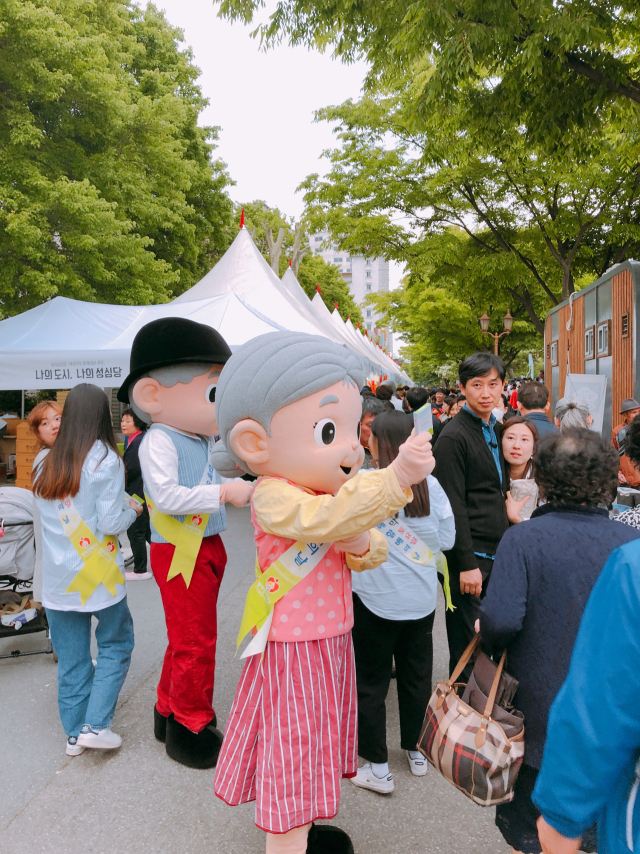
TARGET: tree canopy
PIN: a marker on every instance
(553, 67)
(109, 188)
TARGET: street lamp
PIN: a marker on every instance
(485, 322)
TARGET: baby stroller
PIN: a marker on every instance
(17, 563)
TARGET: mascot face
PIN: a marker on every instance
(314, 442)
(186, 406)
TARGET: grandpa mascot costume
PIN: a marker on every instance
(175, 366)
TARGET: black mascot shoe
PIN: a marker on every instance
(326, 839)
(195, 750)
(159, 725)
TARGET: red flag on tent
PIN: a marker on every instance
(318, 288)
(289, 261)
(336, 303)
(242, 219)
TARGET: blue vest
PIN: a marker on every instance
(193, 456)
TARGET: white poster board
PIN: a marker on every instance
(592, 388)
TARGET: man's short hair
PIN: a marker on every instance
(372, 406)
(417, 397)
(384, 392)
(533, 395)
(480, 365)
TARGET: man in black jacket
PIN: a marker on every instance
(471, 469)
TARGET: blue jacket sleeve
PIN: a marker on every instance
(594, 726)
(505, 603)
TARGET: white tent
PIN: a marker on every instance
(65, 342)
(243, 271)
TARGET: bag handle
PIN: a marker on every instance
(460, 666)
(464, 660)
(481, 735)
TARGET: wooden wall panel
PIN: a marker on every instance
(547, 360)
(576, 338)
(621, 348)
(563, 342)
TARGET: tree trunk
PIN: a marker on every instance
(299, 251)
(275, 249)
(524, 298)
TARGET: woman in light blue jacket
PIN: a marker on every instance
(79, 488)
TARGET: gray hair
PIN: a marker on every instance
(572, 412)
(168, 377)
(270, 372)
(372, 406)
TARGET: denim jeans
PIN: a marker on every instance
(88, 695)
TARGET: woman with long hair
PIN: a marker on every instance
(44, 422)
(519, 444)
(394, 608)
(79, 489)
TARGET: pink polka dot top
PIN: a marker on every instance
(320, 605)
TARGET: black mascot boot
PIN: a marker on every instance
(195, 750)
(326, 839)
(159, 725)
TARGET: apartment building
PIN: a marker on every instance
(363, 275)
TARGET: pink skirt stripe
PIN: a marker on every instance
(292, 733)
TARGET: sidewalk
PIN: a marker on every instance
(138, 800)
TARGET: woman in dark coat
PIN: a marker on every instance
(140, 532)
(542, 577)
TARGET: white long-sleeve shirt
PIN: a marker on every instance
(400, 589)
(159, 464)
(100, 503)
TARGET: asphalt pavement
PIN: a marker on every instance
(138, 800)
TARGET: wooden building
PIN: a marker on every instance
(602, 338)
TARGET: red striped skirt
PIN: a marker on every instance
(292, 733)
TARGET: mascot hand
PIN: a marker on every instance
(415, 460)
(357, 545)
(238, 492)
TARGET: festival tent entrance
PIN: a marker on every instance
(64, 342)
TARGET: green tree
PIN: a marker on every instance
(554, 66)
(315, 272)
(109, 188)
(536, 224)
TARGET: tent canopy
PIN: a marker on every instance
(64, 342)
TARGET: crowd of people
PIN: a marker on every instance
(513, 506)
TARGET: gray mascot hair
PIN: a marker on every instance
(270, 372)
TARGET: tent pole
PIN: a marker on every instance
(23, 404)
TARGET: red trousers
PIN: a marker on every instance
(186, 684)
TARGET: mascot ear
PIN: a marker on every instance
(248, 440)
(146, 396)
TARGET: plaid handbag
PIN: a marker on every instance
(469, 747)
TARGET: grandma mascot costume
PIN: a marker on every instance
(175, 367)
(288, 410)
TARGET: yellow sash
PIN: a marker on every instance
(400, 536)
(98, 557)
(185, 536)
(271, 585)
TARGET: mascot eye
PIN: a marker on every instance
(324, 432)
(210, 393)
(359, 431)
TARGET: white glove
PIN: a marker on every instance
(415, 460)
(238, 492)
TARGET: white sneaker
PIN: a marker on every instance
(138, 576)
(418, 766)
(366, 779)
(73, 748)
(102, 739)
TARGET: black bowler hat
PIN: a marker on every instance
(173, 341)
